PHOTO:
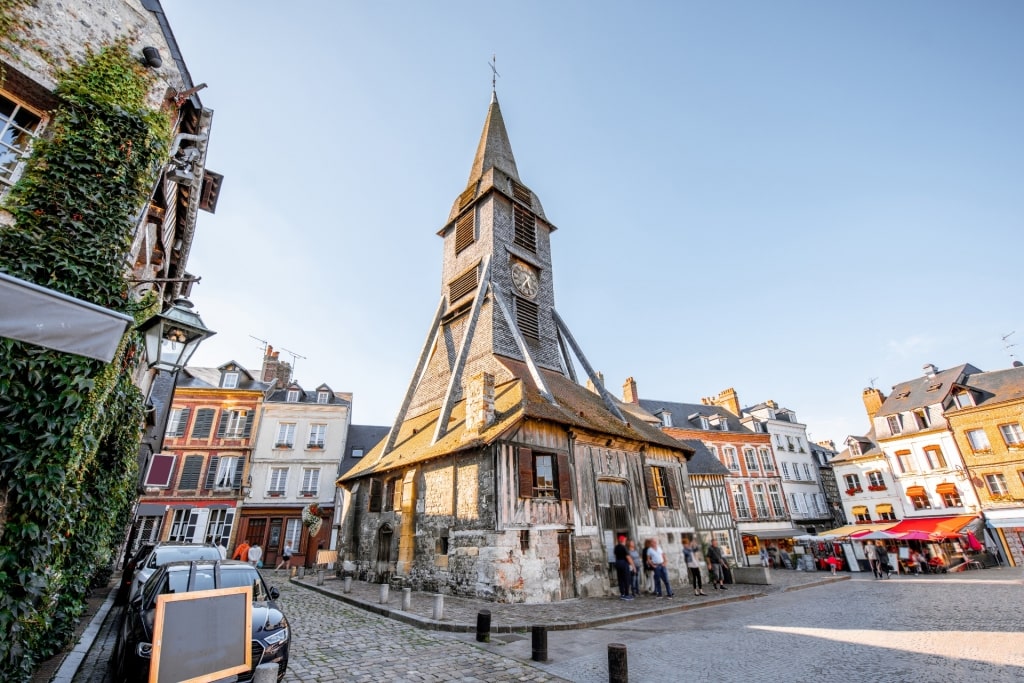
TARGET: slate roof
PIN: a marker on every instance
(997, 386)
(209, 378)
(513, 401)
(868, 448)
(333, 398)
(363, 437)
(703, 461)
(924, 391)
(681, 413)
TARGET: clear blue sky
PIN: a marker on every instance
(788, 198)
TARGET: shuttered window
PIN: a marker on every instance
(203, 424)
(374, 501)
(462, 285)
(661, 488)
(521, 193)
(528, 318)
(544, 475)
(525, 456)
(467, 196)
(177, 421)
(190, 473)
(465, 231)
(525, 229)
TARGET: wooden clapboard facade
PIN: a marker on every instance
(502, 476)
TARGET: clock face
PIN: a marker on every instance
(525, 279)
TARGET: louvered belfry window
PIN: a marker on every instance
(527, 317)
(526, 229)
(462, 285)
(467, 196)
(521, 193)
(465, 229)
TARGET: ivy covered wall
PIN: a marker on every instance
(70, 426)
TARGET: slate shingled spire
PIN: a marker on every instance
(494, 149)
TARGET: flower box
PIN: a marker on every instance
(853, 491)
(879, 487)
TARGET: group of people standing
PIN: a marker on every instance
(651, 560)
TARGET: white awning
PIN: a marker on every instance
(1006, 518)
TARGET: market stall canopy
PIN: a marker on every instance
(776, 533)
(844, 531)
(932, 528)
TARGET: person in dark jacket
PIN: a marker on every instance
(716, 561)
(622, 568)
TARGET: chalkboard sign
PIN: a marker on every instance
(202, 636)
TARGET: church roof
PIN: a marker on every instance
(514, 401)
(494, 149)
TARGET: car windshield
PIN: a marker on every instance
(182, 552)
(229, 577)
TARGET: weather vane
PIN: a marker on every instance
(494, 72)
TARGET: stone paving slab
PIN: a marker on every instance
(460, 613)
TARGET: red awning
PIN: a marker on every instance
(933, 527)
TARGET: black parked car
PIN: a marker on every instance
(270, 633)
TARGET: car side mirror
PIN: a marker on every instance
(274, 593)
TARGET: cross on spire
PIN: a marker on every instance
(494, 73)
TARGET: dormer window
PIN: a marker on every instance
(293, 396)
(922, 419)
(963, 399)
(666, 418)
(322, 396)
(704, 424)
(855, 448)
(895, 424)
(229, 380)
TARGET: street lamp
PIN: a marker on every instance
(173, 336)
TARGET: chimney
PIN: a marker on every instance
(873, 399)
(728, 399)
(771, 404)
(629, 394)
(827, 443)
(479, 402)
(590, 382)
(275, 369)
(930, 370)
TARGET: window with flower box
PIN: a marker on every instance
(310, 482)
(852, 484)
(876, 481)
(278, 482)
(317, 436)
(285, 435)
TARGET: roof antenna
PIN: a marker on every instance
(1007, 346)
(872, 382)
(494, 73)
(294, 356)
(264, 342)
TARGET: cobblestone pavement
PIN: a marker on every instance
(949, 627)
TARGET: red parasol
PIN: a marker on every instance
(973, 543)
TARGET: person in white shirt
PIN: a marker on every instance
(255, 555)
(657, 560)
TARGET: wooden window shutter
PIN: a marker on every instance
(248, 423)
(465, 230)
(236, 479)
(526, 475)
(674, 500)
(521, 193)
(467, 196)
(564, 477)
(528, 318)
(183, 422)
(204, 423)
(525, 234)
(190, 473)
(375, 495)
(462, 285)
(652, 497)
(223, 424)
(211, 472)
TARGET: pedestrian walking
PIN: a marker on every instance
(660, 570)
(716, 561)
(871, 553)
(693, 566)
(883, 562)
(286, 557)
(622, 564)
(241, 552)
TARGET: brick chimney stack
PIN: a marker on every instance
(728, 399)
(629, 393)
(479, 392)
(873, 399)
(274, 368)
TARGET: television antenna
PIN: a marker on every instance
(262, 341)
(872, 382)
(1007, 345)
(295, 357)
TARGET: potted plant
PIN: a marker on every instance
(311, 518)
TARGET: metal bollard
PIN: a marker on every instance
(347, 586)
(385, 589)
(438, 606)
(618, 669)
(265, 673)
(406, 599)
(320, 577)
(540, 644)
(483, 626)
(301, 572)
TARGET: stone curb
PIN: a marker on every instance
(73, 661)
(430, 624)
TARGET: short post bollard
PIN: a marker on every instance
(618, 669)
(540, 644)
(347, 586)
(301, 572)
(265, 673)
(385, 589)
(483, 626)
(406, 599)
(438, 606)
(320, 577)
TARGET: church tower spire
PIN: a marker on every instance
(494, 149)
